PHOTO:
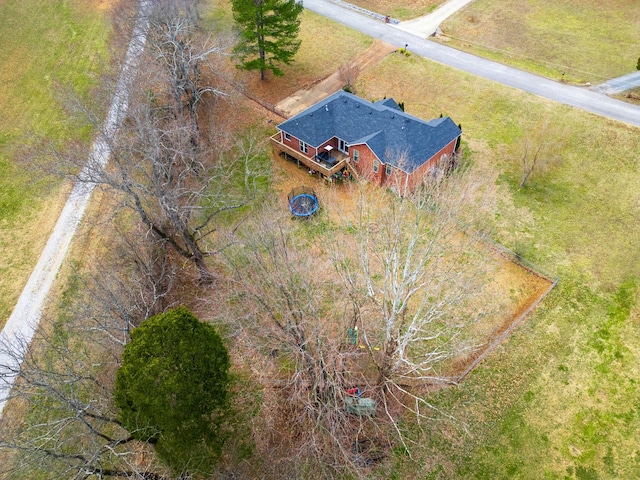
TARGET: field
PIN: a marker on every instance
(559, 398)
(403, 10)
(62, 43)
(575, 41)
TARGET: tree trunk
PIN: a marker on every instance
(206, 277)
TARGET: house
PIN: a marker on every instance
(377, 141)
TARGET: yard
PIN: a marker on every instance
(555, 399)
(510, 289)
(61, 44)
(558, 398)
(575, 41)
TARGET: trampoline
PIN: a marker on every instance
(303, 202)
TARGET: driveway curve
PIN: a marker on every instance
(583, 98)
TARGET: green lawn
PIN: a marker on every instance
(43, 44)
(587, 40)
(561, 397)
(400, 9)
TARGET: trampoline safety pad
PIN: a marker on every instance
(303, 202)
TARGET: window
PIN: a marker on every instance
(388, 170)
(376, 166)
(287, 137)
(342, 146)
(356, 156)
(304, 147)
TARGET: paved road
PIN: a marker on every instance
(23, 322)
(620, 84)
(583, 98)
(427, 25)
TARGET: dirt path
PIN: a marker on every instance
(305, 98)
(24, 320)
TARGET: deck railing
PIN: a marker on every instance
(308, 161)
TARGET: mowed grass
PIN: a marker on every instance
(402, 10)
(44, 44)
(587, 40)
(560, 397)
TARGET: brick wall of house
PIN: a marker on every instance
(366, 159)
(419, 174)
(332, 141)
(405, 183)
(295, 144)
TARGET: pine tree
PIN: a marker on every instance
(172, 389)
(268, 33)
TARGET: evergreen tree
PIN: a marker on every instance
(172, 389)
(268, 33)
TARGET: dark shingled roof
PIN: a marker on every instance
(397, 138)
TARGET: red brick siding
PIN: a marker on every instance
(295, 144)
(333, 142)
(399, 181)
(365, 164)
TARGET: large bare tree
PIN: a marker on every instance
(186, 57)
(382, 300)
(413, 281)
(63, 387)
(286, 317)
(539, 149)
(179, 182)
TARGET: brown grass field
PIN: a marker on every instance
(510, 290)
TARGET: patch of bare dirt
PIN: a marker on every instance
(306, 97)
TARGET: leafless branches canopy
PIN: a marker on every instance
(174, 177)
(399, 271)
(65, 382)
(413, 278)
(540, 149)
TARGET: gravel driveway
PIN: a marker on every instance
(19, 330)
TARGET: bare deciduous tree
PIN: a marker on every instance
(541, 147)
(349, 73)
(413, 282)
(183, 52)
(179, 188)
(404, 278)
(288, 316)
(65, 382)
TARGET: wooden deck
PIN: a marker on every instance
(325, 168)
